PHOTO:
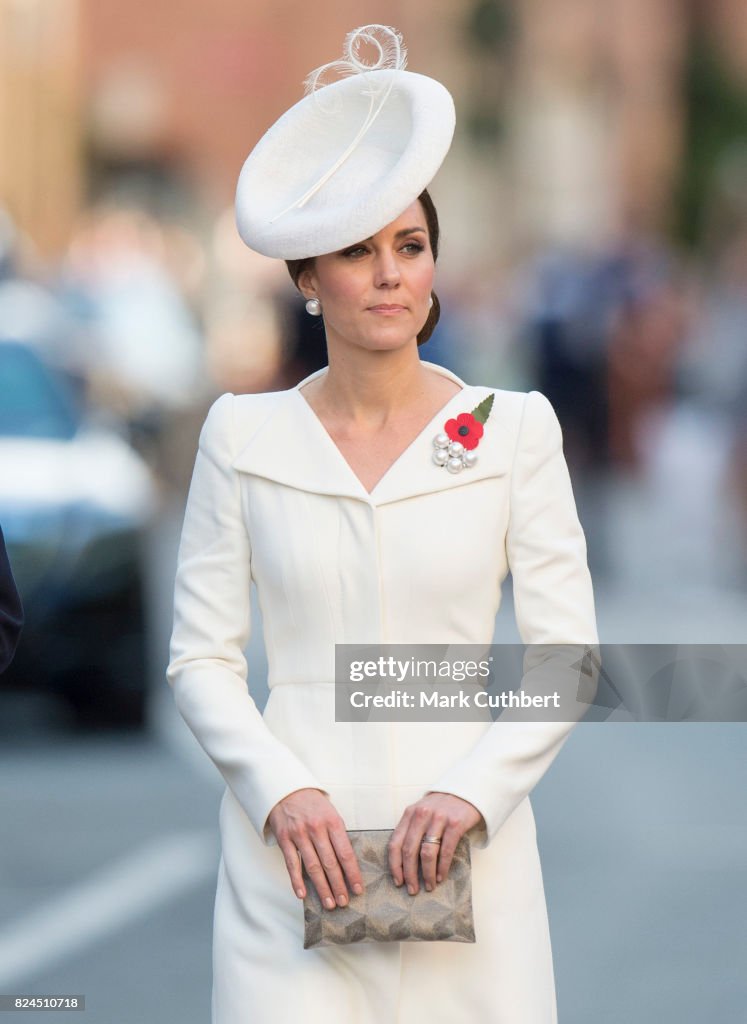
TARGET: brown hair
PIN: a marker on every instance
(296, 267)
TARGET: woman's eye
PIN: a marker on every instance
(412, 248)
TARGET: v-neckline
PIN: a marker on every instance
(388, 471)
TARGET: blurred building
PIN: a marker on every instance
(41, 104)
(571, 111)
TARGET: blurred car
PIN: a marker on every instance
(75, 504)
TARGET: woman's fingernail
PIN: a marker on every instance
(329, 903)
(299, 893)
(428, 886)
(342, 900)
(411, 889)
(439, 878)
(357, 888)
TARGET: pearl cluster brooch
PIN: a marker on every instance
(455, 447)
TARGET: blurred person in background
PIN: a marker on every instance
(146, 358)
(18, 256)
(34, 310)
(316, 493)
(567, 299)
(646, 336)
(568, 296)
(476, 331)
(7, 245)
(713, 369)
(740, 476)
(11, 609)
(247, 297)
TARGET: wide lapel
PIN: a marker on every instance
(292, 447)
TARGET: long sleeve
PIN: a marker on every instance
(11, 610)
(554, 605)
(207, 668)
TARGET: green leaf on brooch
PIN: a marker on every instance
(482, 411)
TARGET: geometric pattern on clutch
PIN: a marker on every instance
(387, 913)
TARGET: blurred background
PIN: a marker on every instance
(594, 225)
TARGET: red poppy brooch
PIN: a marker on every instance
(455, 447)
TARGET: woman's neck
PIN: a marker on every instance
(368, 387)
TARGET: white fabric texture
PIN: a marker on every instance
(273, 500)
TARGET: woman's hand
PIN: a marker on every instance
(437, 814)
(307, 826)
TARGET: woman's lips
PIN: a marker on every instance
(387, 310)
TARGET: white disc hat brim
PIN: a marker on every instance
(380, 175)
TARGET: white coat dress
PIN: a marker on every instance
(420, 559)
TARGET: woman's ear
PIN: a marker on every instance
(307, 283)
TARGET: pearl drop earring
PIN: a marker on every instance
(314, 307)
(430, 302)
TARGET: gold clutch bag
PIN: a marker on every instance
(385, 912)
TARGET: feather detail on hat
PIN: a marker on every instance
(392, 55)
(391, 49)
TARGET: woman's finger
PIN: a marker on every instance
(430, 853)
(331, 865)
(411, 847)
(347, 859)
(316, 871)
(394, 851)
(452, 833)
(293, 864)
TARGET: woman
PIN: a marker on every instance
(347, 502)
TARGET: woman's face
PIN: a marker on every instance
(375, 294)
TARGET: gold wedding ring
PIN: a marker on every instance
(430, 839)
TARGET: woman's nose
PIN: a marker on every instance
(386, 271)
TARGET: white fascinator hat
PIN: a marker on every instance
(349, 157)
